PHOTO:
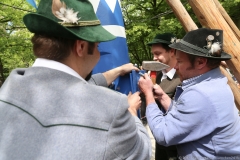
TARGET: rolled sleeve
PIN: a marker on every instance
(179, 123)
(128, 129)
(98, 79)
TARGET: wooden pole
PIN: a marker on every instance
(182, 15)
(232, 84)
(228, 19)
(189, 25)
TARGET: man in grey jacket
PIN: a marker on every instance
(55, 110)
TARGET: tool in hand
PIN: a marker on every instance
(153, 67)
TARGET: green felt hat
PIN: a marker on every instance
(166, 38)
(71, 19)
(203, 42)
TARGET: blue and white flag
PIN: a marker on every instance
(33, 3)
(113, 53)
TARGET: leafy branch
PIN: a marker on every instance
(14, 7)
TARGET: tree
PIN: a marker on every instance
(15, 44)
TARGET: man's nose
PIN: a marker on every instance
(176, 66)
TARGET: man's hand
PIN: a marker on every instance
(153, 91)
(158, 92)
(134, 101)
(146, 86)
(112, 74)
(127, 68)
(161, 96)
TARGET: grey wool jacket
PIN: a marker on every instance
(46, 114)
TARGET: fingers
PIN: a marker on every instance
(137, 93)
(156, 86)
(144, 79)
(129, 94)
(131, 66)
(134, 101)
(126, 68)
(146, 76)
(157, 90)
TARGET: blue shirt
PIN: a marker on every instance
(202, 120)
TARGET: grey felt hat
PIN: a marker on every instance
(203, 42)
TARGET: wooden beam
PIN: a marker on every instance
(228, 19)
(182, 15)
(232, 84)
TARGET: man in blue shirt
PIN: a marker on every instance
(202, 120)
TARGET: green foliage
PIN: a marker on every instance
(15, 44)
(233, 9)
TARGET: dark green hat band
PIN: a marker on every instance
(161, 41)
(194, 47)
(81, 23)
(165, 38)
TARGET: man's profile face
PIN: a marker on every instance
(184, 68)
(160, 54)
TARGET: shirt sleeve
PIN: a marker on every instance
(185, 121)
(98, 79)
(128, 138)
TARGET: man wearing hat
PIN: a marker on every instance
(55, 110)
(167, 79)
(202, 120)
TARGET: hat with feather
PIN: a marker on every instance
(72, 19)
(203, 42)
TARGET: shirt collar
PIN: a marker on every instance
(189, 81)
(212, 74)
(170, 73)
(42, 62)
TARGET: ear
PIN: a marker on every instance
(172, 52)
(201, 62)
(80, 47)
